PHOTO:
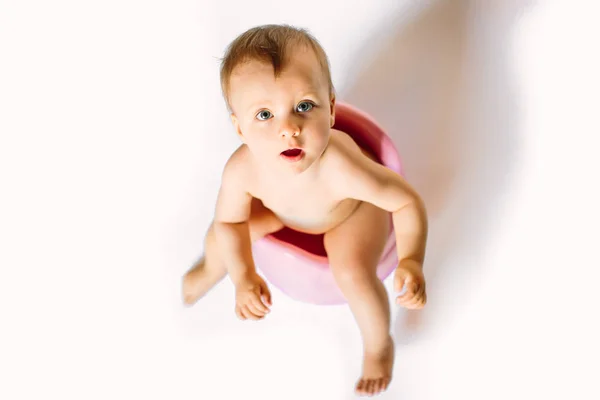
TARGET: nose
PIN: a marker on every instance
(289, 128)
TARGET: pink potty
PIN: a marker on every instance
(296, 263)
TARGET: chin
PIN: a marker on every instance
(299, 167)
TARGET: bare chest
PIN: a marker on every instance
(293, 199)
(309, 208)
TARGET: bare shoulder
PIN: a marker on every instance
(238, 166)
(344, 156)
(354, 173)
(233, 201)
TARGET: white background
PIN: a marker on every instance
(113, 136)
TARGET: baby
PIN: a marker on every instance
(293, 169)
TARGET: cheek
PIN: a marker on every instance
(318, 139)
(260, 141)
(322, 130)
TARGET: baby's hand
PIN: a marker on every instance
(252, 297)
(409, 276)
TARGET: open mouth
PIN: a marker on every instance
(292, 154)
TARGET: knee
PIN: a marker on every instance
(353, 275)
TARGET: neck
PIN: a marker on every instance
(287, 176)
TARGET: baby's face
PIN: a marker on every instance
(284, 121)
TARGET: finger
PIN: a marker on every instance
(418, 305)
(239, 314)
(415, 306)
(257, 313)
(399, 281)
(422, 300)
(411, 302)
(266, 295)
(422, 296)
(417, 294)
(407, 302)
(418, 302)
(411, 289)
(421, 293)
(258, 305)
(248, 314)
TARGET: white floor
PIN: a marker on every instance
(113, 136)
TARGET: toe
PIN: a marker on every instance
(386, 383)
(376, 386)
(190, 298)
(370, 387)
(187, 297)
(381, 385)
(360, 387)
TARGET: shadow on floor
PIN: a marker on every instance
(440, 84)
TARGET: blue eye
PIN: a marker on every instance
(305, 106)
(264, 115)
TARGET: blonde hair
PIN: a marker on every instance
(269, 44)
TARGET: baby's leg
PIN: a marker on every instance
(354, 249)
(207, 272)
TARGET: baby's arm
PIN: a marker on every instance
(231, 220)
(232, 232)
(356, 176)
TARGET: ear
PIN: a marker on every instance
(236, 125)
(332, 110)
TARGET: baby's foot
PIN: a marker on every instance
(196, 282)
(377, 370)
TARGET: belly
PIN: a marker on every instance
(317, 221)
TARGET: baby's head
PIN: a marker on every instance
(277, 85)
